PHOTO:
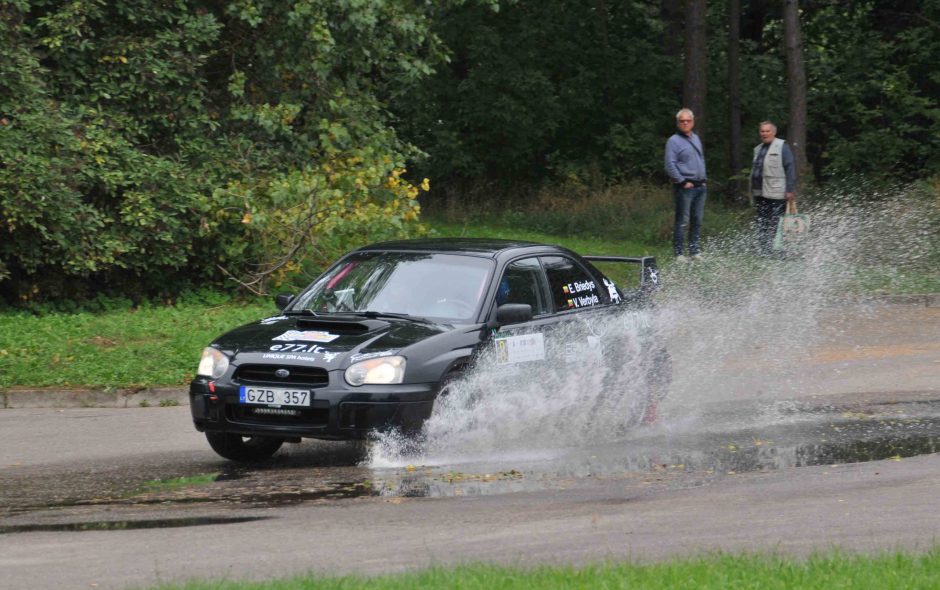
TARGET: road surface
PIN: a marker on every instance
(843, 456)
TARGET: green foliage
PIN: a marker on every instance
(139, 138)
(80, 195)
(149, 147)
(875, 88)
(313, 215)
(548, 87)
(554, 91)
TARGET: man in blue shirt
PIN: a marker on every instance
(685, 166)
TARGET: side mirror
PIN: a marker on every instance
(513, 313)
(283, 299)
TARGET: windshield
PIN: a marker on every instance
(443, 286)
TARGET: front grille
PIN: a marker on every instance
(308, 376)
(313, 416)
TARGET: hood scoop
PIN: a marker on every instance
(352, 327)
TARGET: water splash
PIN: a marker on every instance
(753, 313)
(594, 387)
(738, 327)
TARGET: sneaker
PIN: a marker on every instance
(698, 257)
(682, 259)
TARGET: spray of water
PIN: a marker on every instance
(736, 327)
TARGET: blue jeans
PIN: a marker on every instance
(690, 209)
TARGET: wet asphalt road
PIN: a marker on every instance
(847, 457)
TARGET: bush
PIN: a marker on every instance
(149, 148)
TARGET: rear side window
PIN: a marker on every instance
(522, 283)
(572, 286)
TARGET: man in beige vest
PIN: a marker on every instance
(773, 183)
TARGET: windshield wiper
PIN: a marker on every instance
(384, 314)
(309, 312)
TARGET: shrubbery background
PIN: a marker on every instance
(149, 148)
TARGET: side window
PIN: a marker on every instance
(522, 283)
(571, 285)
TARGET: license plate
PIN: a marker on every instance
(273, 396)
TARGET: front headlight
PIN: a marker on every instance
(213, 363)
(385, 370)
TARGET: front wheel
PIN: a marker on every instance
(244, 449)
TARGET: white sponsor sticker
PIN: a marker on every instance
(273, 320)
(314, 354)
(520, 349)
(307, 336)
(612, 291)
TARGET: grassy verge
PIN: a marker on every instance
(141, 347)
(154, 346)
(824, 572)
(579, 243)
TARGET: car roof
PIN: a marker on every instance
(473, 246)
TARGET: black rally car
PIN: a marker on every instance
(371, 342)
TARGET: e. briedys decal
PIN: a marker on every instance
(581, 294)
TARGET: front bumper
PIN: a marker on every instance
(337, 411)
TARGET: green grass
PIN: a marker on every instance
(623, 275)
(154, 346)
(832, 571)
(579, 243)
(135, 348)
(870, 274)
(176, 483)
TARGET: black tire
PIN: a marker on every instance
(244, 449)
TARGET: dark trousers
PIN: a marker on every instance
(768, 212)
(690, 209)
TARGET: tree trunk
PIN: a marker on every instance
(734, 99)
(602, 18)
(796, 87)
(694, 72)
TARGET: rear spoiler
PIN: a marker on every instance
(649, 274)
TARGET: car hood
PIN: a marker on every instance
(333, 342)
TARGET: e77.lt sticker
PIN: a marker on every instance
(307, 336)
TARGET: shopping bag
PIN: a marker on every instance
(792, 229)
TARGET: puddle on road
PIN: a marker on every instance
(816, 440)
(668, 454)
(693, 456)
